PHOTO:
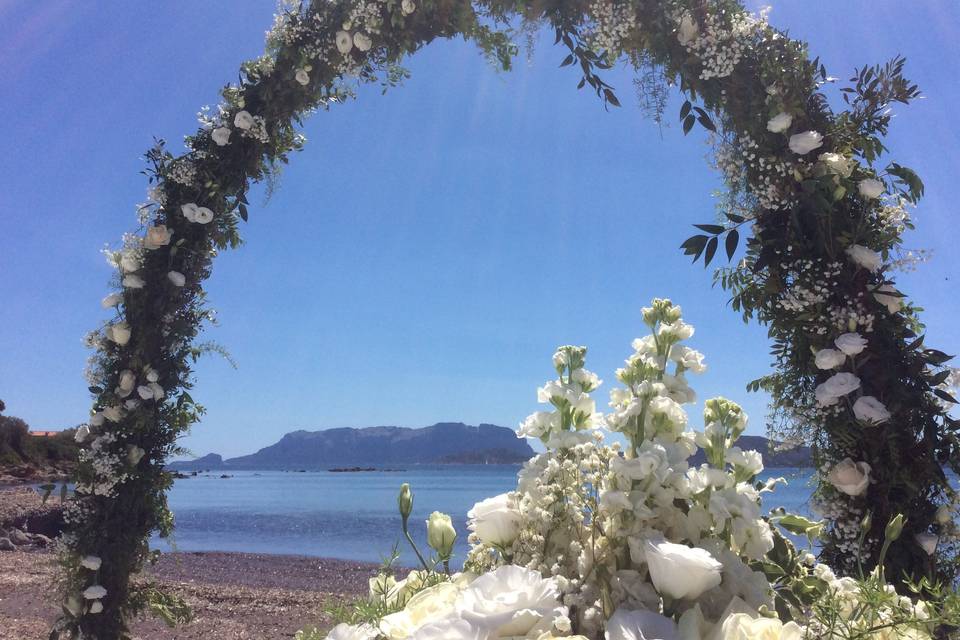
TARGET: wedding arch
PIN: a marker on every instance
(820, 220)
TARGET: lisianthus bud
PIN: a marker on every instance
(405, 500)
(867, 523)
(441, 534)
(894, 528)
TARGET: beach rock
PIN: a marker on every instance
(41, 540)
(19, 537)
(6, 545)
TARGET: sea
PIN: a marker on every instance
(353, 515)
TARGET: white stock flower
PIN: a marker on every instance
(679, 571)
(119, 333)
(407, 7)
(344, 42)
(587, 380)
(177, 278)
(157, 236)
(428, 606)
(688, 358)
(779, 123)
(837, 386)
(615, 501)
(869, 409)
(567, 439)
(829, 359)
(90, 562)
(511, 601)
(133, 282)
(640, 624)
(852, 478)
(750, 461)
(496, 520)
(362, 41)
(675, 331)
(83, 431)
(893, 303)
(344, 631)
(221, 135)
(742, 626)
(851, 343)
(871, 188)
(539, 424)
(805, 142)
(243, 120)
(111, 301)
(864, 257)
(94, 592)
(302, 77)
(928, 542)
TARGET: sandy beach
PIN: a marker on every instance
(233, 595)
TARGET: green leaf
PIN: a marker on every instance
(610, 97)
(943, 395)
(711, 250)
(685, 109)
(733, 239)
(688, 124)
(707, 123)
(95, 390)
(800, 526)
(715, 229)
(567, 61)
(243, 212)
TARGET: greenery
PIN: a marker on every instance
(18, 447)
(311, 63)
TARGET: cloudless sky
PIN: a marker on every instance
(422, 258)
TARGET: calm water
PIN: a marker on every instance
(352, 515)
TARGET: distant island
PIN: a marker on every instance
(442, 443)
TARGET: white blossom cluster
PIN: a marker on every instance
(612, 23)
(720, 41)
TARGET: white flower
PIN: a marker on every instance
(119, 333)
(83, 431)
(243, 120)
(615, 501)
(851, 343)
(688, 30)
(302, 77)
(640, 625)
(928, 542)
(152, 391)
(428, 606)
(111, 301)
(152, 375)
(451, 628)
(344, 631)
(193, 213)
(133, 282)
(944, 516)
(126, 383)
(344, 42)
(96, 607)
(441, 534)
(157, 236)
(779, 123)
(837, 386)
(129, 261)
(97, 419)
(538, 424)
(496, 520)
(221, 135)
(94, 593)
(407, 7)
(189, 211)
(688, 358)
(679, 571)
(177, 278)
(864, 257)
(742, 626)
(113, 414)
(90, 562)
(869, 409)
(871, 188)
(893, 303)
(838, 164)
(850, 477)
(829, 359)
(135, 455)
(362, 41)
(511, 601)
(803, 143)
(74, 606)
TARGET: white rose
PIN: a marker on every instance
(452, 628)
(344, 631)
(113, 414)
(893, 303)
(779, 123)
(129, 261)
(944, 516)
(90, 562)
(441, 534)
(94, 593)
(679, 571)
(850, 477)
(302, 77)
(152, 375)
(362, 41)
(871, 188)
(177, 278)
(928, 542)
(221, 135)
(851, 343)
(829, 359)
(407, 7)
(837, 386)
(83, 432)
(97, 419)
(640, 625)
(344, 42)
(426, 607)
(157, 236)
(496, 520)
(119, 333)
(128, 380)
(803, 143)
(202, 215)
(243, 120)
(511, 601)
(742, 626)
(688, 30)
(189, 211)
(111, 301)
(133, 282)
(864, 257)
(131, 404)
(869, 409)
(135, 455)
(838, 164)
(96, 607)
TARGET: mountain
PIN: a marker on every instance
(446, 442)
(773, 457)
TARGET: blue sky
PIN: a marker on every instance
(424, 255)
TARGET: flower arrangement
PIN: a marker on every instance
(632, 541)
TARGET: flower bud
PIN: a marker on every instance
(441, 534)
(867, 523)
(405, 501)
(894, 528)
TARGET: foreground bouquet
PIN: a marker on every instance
(635, 540)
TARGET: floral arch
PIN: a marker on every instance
(820, 220)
